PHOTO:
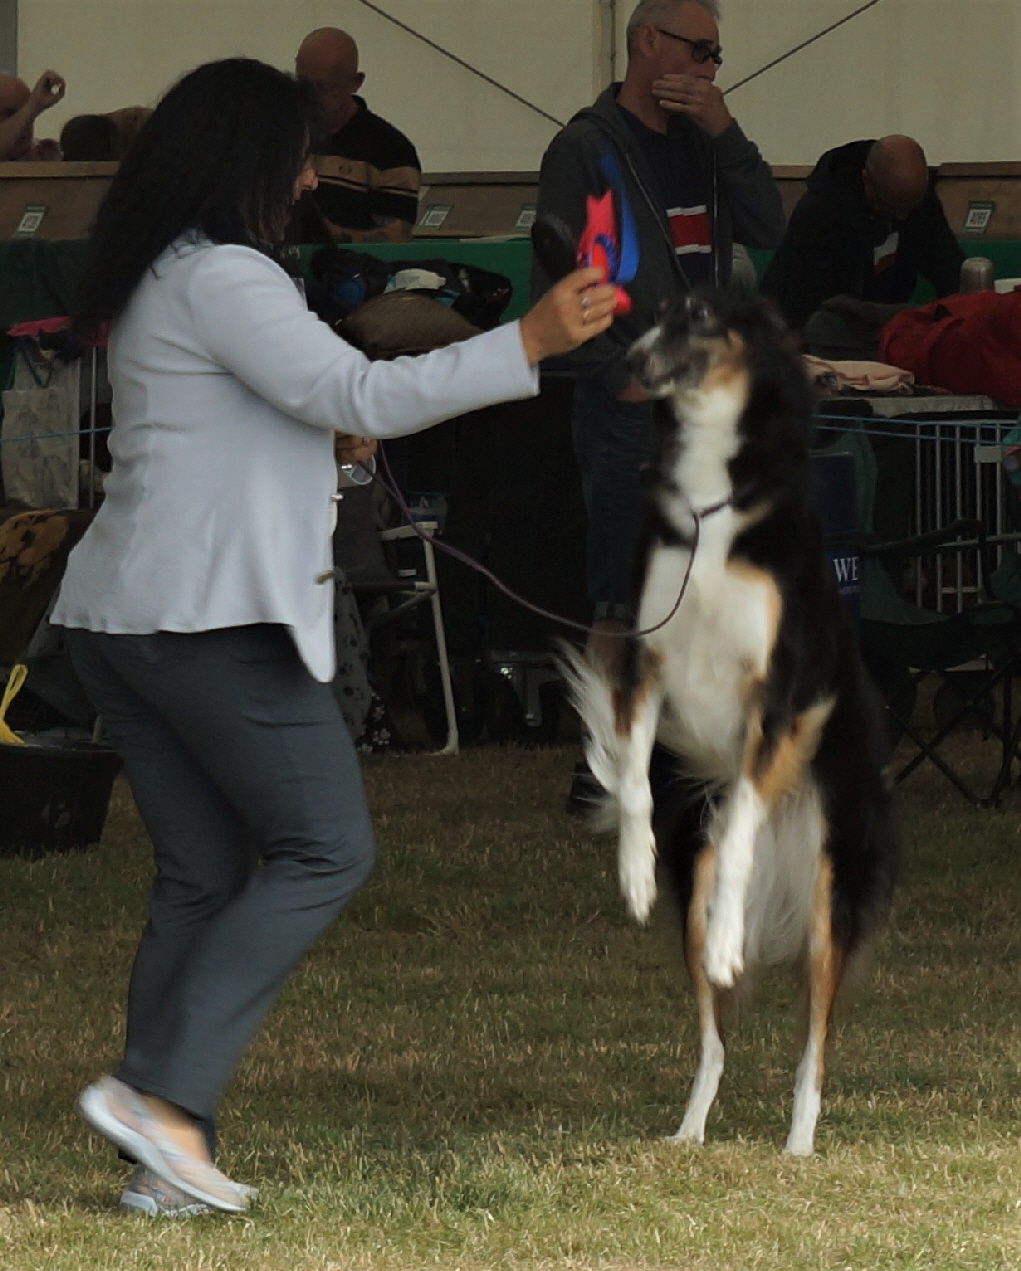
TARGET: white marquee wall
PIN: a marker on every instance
(945, 71)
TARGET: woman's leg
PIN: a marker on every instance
(279, 766)
(203, 851)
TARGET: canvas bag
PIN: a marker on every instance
(39, 434)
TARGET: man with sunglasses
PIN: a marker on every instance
(869, 223)
(695, 185)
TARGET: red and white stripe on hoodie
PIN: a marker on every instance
(690, 230)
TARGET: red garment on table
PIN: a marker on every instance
(967, 344)
(53, 326)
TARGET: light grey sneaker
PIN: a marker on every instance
(147, 1193)
(120, 1115)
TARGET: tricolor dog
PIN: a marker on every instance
(778, 831)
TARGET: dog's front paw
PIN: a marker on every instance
(637, 868)
(723, 959)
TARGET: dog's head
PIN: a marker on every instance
(703, 338)
(726, 360)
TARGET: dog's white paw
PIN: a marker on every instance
(723, 959)
(637, 868)
(694, 1134)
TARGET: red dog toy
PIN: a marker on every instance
(598, 245)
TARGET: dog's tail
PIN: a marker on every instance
(591, 695)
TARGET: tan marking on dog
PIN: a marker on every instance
(626, 699)
(793, 753)
(729, 366)
(825, 966)
(709, 1001)
(703, 878)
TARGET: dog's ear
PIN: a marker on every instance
(707, 312)
(701, 315)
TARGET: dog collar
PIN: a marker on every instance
(733, 499)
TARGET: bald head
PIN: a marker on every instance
(329, 58)
(896, 177)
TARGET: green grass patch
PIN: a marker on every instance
(476, 1067)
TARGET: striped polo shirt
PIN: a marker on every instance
(368, 171)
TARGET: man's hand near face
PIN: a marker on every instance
(696, 97)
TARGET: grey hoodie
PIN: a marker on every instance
(744, 207)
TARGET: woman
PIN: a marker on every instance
(198, 609)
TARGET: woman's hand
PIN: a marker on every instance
(571, 312)
(350, 450)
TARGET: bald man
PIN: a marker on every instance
(20, 106)
(868, 225)
(369, 173)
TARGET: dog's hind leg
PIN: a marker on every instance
(824, 967)
(707, 1001)
(636, 854)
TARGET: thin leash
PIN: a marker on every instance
(385, 479)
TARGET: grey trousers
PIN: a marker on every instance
(248, 783)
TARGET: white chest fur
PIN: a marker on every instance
(713, 650)
(718, 643)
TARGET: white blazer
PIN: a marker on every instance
(226, 394)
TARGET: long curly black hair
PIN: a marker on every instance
(219, 156)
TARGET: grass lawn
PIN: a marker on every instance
(476, 1067)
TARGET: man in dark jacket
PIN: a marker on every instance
(695, 184)
(868, 224)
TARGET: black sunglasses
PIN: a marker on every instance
(701, 50)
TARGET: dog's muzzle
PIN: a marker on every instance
(657, 375)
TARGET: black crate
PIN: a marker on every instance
(54, 794)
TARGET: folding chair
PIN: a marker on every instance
(412, 584)
(973, 654)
